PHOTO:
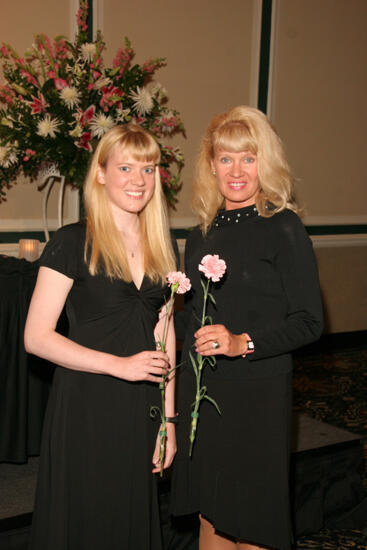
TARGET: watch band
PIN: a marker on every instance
(172, 419)
(250, 345)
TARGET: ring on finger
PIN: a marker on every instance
(215, 344)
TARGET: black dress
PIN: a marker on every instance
(238, 474)
(95, 487)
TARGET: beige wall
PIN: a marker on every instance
(318, 103)
(343, 275)
(209, 51)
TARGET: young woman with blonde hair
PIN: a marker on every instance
(267, 304)
(96, 487)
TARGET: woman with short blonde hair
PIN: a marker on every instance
(243, 129)
(266, 305)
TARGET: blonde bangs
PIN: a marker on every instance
(141, 148)
(134, 141)
(234, 136)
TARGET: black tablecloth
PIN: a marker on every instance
(24, 378)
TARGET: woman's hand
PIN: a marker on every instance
(144, 366)
(170, 448)
(229, 344)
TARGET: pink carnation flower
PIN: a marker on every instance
(177, 277)
(213, 267)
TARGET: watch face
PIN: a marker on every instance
(250, 345)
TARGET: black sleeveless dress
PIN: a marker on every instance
(95, 486)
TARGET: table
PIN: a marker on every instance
(24, 379)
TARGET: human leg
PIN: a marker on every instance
(211, 540)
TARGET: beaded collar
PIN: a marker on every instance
(231, 217)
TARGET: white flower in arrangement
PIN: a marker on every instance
(101, 83)
(158, 91)
(88, 51)
(48, 127)
(143, 101)
(7, 156)
(122, 114)
(101, 124)
(6, 122)
(76, 131)
(178, 155)
(70, 95)
(3, 154)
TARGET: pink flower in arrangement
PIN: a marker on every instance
(165, 177)
(87, 115)
(84, 142)
(180, 279)
(39, 104)
(4, 50)
(29, 153)
(81, 16)
(213, 267)
(123, 58)
(60, 83)
(29, 77)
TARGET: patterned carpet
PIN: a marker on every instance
(331, 386)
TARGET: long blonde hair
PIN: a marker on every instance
(243, 129)
(104, 250)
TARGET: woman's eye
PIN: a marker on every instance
(124, 168)
(225, 160)
(149, 170)
(249, 160)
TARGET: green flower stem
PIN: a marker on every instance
(198, 397)
(162, 385)
(163, 430)
(206, 292)
(200, 364)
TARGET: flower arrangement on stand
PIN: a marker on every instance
(179, 284)
(59, 99)
(213, 269)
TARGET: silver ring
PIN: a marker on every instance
(215, 345)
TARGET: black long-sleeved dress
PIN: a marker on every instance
(238, 474)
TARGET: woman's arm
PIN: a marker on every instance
(41, 338)
(296, 266)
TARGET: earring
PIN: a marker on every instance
(214, 172)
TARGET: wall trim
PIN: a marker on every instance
(319, 241)
(73, 8)
(265, 48)
(272, 56)
(98, 21)
(255, 53)
(339, 241)
(335, 220)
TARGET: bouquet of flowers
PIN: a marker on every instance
(59, 99)
(213, 269)
(179, 284)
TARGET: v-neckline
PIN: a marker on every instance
(138, 288)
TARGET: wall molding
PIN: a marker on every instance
(255, 53)
(335, 220)
(339, 241)
(275, 11)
